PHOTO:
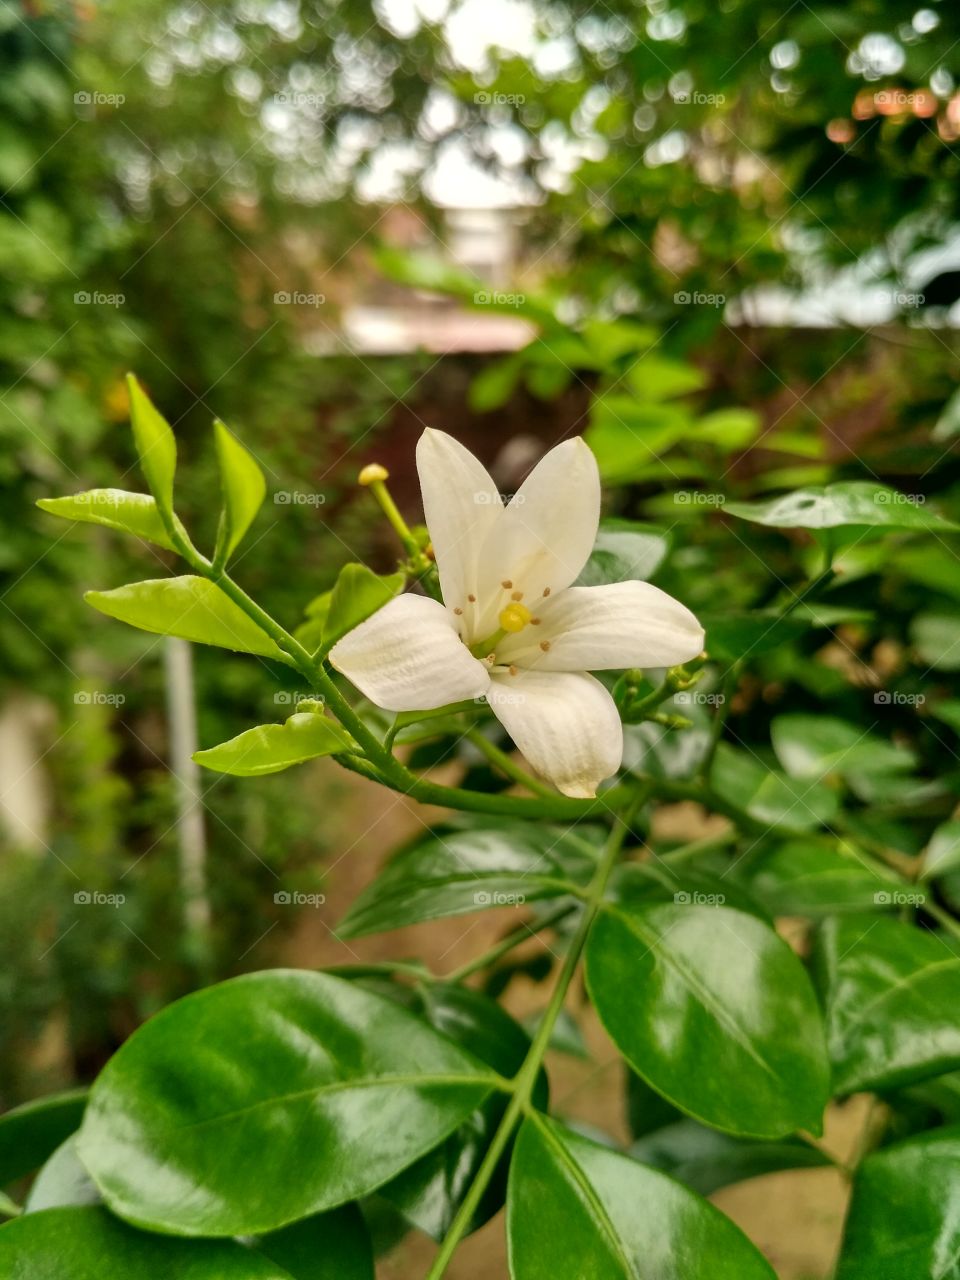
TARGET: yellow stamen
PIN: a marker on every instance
(514, 617)
(371, 473)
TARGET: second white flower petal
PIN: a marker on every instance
(567, 726)
(625, 624)
(408, 657)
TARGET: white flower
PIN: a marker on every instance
(512, 627)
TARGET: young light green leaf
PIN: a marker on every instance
(129, 512)
(575, 1207)
(189, 607)
(357, 594)
(902, 1224)
(891, 994)
(156, 446)
(87, 1243)
(452, 872)
(29, 1134)
(742, 998)
(850, 502)
(729, 429)
(251, 1104)
(243, 486)
(271, 747)
(942, 854)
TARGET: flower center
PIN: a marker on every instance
(514, 617)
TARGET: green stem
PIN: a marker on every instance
(389, 508)
(506, 765)
(526, 1077)
(508, 943)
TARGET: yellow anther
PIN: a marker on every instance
(371, 473)
(514, 617)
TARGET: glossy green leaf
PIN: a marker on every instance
(768, 797)
(116, 509)
(430, 1192)
(577, 1208)
(812, 746)
(328, 1246)
(62, 1181)
(29, 1134)
(942, 854)
(891, 994)
(86, 1243)
(452, 872)
(271, 747)
(810, 878)
(850, 502)
(243, 486)
(192, 608)
(902, 1222)
(705, 1160)
(680, 986)
(156, 446)
(254, 1103)
(357, 593)
(624, 551)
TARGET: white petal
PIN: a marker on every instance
(408, 657)
(548, 529)
(566, 725)
(625, 624)
(460, 505)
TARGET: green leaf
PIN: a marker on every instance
(452, 872)
(626, 436)
(430, 1192)
(942, 854)
(86, 1243)
(357, 593)
(902, 1224)
(657, 377)
(729, 429)
(244, 489)
(681, 986)
(623, 552)
(852, 502)
(809, 878)
(706, 1160)
(156, 446)
(328, 1246)
(129, 512)
(251, 1104)
(769, 797)
(271, 747)
(578, 1208)
(62, 1181)
(812, 746)
(891, 994)
(735, 636)
(936, 638)
(29, 1134)
(192, 608)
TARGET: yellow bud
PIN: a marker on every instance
(371, 473)
(514, 617)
